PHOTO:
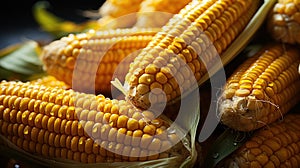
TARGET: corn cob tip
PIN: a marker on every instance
(237, 110)
(42, 120)
(262, 89)
(194, 37)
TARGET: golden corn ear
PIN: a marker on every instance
(284, 21)
(274, 146)
(167, 66)
(118, 14)
(262, 89)
(90, 59)
(50, 81)
(138, 13)
(116, 8)
(156, 13)
(58, 123)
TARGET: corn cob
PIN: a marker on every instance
(156, 13)
(262, 89)
(284, 21)
(170, 61)
(118, 14)
(93, 57)
(50, 81)
(58, 123)
(138, 13)
(117, 8)
(275, 146)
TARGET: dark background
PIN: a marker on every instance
(17, 22)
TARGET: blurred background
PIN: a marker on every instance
(18, 23)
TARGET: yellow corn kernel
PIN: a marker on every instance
(286, 139)
(118, 14)
(88, 61)
(50, 81)
(83, 129)
(272, 88)
(174, 51)
(156, 13)
(283, 23)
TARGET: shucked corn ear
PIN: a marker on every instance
(138, 13)
(90, 59)
(262, 89)
(116, 8)
(58, 123)
(156, 13)
(50, 81)
(170, 61)
(274, 146)
(118, 14)
(284, 21)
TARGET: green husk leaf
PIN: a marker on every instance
(48, 21)
(229, 141)
(57, 26)
(9, 49)
(21, 61)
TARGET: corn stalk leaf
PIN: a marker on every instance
(20, 61)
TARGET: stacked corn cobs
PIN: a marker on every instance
(260, 95)
(157, 64)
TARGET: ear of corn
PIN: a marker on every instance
(58, 123)
(170, 61)
(138, 13)
(118, 14)
(274, 146)
(90, 59)
(262, 89)
(156, 13)
(117, 8)
(284, 21)
(50, 81)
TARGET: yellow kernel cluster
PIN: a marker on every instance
(55, 122)
(275, 146)
(50, 81)
(156, 13)
(185, 48)
(262, 89)
(88, 61)
(284, 21)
